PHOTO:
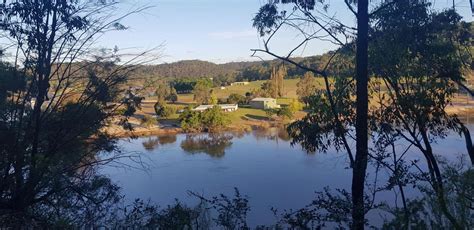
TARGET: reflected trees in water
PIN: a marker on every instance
(167, 139)
(213, 144)
(273, 133)
(152, 143)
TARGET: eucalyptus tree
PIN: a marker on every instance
(419, 79)
(333, 114)
(306, 87)
(52, 118)
(311, 20)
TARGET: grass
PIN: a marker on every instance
(245, 114)
(238, 89)
(289, 88)
(241, 116)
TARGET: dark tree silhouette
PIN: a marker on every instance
(52, 117)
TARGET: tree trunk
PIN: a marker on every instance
(437, 178)
(469, 146)
(360, 166)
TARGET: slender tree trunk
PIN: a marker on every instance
(437, 180)
(360, 166)
(469, 146)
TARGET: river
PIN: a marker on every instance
(261, 164)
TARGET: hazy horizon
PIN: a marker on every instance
(223, 31)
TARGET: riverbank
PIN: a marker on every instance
(172, 128)
(243, 124)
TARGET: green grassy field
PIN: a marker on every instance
(247, 114)
(242, 115)
(289, 88)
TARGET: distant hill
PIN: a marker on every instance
(190, 69)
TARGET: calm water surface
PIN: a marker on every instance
(261, 164)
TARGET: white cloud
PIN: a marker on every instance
(233, 34)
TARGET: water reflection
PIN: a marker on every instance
(151, 143)
(212, 144)
(167, 139)
(274, 133)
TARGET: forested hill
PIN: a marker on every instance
(193, 69)
(190, 69)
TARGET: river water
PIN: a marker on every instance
(261, 164)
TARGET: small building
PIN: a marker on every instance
(225, 107)
(240, 83)
(222, 87)
(264, 103)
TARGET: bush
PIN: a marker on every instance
(214, 119)
(211, 120)
(295, 106)
(281, 112)
(164, 111)
(148, 121)
(190, 120)
(236, 99)
(285, 112)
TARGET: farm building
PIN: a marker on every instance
(264, 103)
(225, 107)
(240, 83)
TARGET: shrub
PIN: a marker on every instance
(148, 121)
(214, 119)
(295, 106)
(162, 110)
(281, 112)
(236, 99)
(211, 120)
(190, 120)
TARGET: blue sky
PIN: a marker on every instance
(213, 30)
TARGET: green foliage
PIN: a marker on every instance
(278, 74)
(224, 79)
(237, 99)
(164, 111)
(10, 81)
(284, 112)
(214, 119)
(211, 120)
(183, 85)
(49, 149)
(202, 91)
(148, 121)
(267, 89)
(190, 120)
(173, 95)
(318, 129)
(425, 212)
(213, 99)
(307, 87)
(295, 106)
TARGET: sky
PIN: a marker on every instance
(215, 30)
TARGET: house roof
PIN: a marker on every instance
(263, 99)
(223, 106)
